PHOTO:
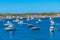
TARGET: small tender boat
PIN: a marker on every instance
(35, 28)
(10, 28)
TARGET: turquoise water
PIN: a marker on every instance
(23, 32)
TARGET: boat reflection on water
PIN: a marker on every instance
(11, 34)
(51, 35)
(10, 29)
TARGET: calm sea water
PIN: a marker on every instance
(23, 32)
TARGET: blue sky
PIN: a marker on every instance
(29, 6)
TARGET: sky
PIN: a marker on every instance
(29, 6)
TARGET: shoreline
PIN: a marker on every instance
(44, 15)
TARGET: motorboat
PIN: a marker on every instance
(8, 23)
(10, 28)
(52, 28)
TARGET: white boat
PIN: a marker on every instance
(20, 22)
(28, 19)
(39, 21)
(17, 20)
(10, 28)
(21, 18)
(50, 18)
(8, 23)
(52, 22)
(52, 28)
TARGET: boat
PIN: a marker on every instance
(50, 18)
(35, 28)
(32, 18)
(10, 28)
(52, 28)
(28, 19)
(8, 17)
(39, 21)
(20, 22)
(21, 17)
(30, 25)
(52, 23)
(8, 23)
(17, 20)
